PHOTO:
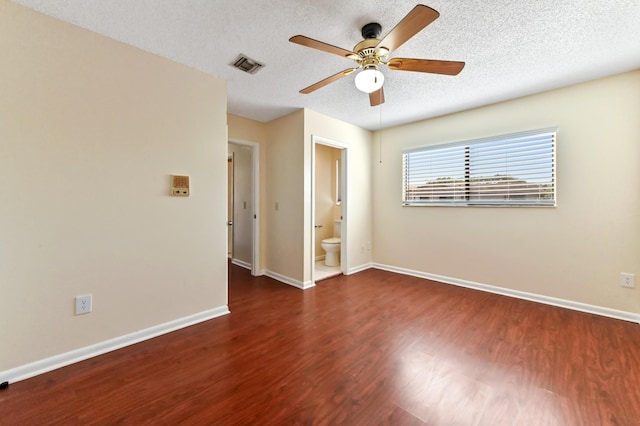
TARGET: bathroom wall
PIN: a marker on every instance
(337, 157)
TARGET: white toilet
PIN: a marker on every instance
(331, 246)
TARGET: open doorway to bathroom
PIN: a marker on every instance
(329, 209)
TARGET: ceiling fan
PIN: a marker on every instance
(372, 52)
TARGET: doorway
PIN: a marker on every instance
(244, 205)
(230, 205)
(329, 208)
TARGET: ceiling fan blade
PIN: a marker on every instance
(327, 80)
(426, 65)
(319, 45)
(419, 17)
(377, 97)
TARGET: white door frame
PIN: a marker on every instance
(255, 190)
(344, 161)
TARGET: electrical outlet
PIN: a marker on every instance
(84, 304)
(627, 280)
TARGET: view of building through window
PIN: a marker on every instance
(504, 170)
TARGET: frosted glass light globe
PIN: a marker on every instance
(369, 80)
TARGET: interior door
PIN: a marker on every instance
(230, 207)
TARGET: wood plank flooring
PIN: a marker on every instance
(374, 348)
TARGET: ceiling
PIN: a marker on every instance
(511, 48)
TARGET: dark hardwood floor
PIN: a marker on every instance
(367, 349)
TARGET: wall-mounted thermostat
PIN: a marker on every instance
(180, 186)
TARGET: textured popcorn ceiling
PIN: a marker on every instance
(511, 47)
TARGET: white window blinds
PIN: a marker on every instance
(509, 170)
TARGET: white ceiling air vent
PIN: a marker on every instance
(246, 64)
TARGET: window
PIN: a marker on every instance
(508, 170)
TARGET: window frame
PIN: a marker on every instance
(464, 182)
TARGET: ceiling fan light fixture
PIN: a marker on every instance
(369, 80)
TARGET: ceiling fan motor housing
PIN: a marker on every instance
(372, 30)
(368, 50)
(370, 54)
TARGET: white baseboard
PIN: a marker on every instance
(246, 265)
(241, 263)
(547, 300)
(48, 364)
(287, 280)
(320, 258)
(360, 268)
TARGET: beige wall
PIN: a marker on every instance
(286, 145)
(245, 129)
(285, 168)
(575, 251)
(90, 131)
(359, 185)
